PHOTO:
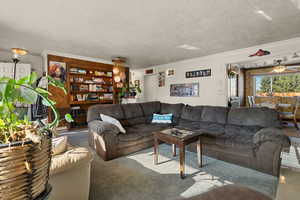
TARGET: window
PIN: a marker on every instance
(277, 85)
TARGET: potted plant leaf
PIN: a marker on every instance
(128, 90)
(25, 146)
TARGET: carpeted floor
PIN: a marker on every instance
(136, 177)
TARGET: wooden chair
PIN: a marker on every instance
(291, 116)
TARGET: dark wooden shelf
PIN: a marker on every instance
(83, 92)
(89, 75)
(106, 84)
(91, 102)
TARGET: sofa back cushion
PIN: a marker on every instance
(175, 109)
(133, 114)
(216, 114)
(113, 110)
(151, 107)
(191, 113)
(263, 117)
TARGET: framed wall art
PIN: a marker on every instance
(57, 70)
(184, 90)
(198, 73)
(161, 79)
(170, 72)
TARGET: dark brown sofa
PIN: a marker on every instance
(249, 137)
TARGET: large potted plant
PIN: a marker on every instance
(128, 91)
(25, 146)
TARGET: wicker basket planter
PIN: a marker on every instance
(24, 169)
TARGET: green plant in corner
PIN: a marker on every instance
(129, 90)
(14, 92)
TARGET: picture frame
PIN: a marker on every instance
(198, 73)
(184, 90)
(57, 70)
(170, 72)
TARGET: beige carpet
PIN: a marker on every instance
(136, 177)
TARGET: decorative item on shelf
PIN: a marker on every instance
(118, 71)
(117, 79)
(260, 52)
(170, 72)
(31, 140)
(17, 52)
(109, 74)
(198, 73)
(184, 90)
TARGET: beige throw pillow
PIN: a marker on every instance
(113, 121)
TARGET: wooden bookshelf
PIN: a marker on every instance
(87, 83)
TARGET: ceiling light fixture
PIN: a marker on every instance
(188, 47)
(280, 68)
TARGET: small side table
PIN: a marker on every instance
(180, 137)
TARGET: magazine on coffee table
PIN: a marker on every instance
(179, 132)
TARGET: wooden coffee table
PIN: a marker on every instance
(180, 137)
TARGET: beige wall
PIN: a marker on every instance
(214, 89)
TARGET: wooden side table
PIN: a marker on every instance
(178, 137)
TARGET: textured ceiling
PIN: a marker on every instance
(147, 32)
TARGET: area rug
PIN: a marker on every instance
(135, 177)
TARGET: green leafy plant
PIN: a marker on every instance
(15, 92)
(129, 89)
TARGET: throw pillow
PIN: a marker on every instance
(164, 119)
(59, 145)
(114, 121)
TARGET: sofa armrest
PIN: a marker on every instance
(274, 135)
(269, 143)
(101, 127)
(103, 138)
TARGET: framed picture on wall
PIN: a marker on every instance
(57, 70)
(198, 73)
(137, 83)
(184, 90)
(170, 72)
(161, 79)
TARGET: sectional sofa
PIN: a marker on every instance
(250, 137)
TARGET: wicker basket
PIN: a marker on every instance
(24, 169)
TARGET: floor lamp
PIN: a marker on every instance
(17, 52)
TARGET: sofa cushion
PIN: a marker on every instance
(175, 109)
(150, 107)
(263, 117)
(192, 113)
(113, 110)
(133, 121)
(216, 114)
(132, 110)
(137, 132)
(239, 137)
(209, 128)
